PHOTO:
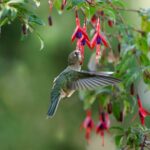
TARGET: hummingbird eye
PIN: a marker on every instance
(76, 54)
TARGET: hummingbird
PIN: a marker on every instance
(73, 78)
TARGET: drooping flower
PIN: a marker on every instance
(81, 36)
(88, 125)
(103, 125)
(78, 31)
(142, 111)
(98, 39)
(82, 42)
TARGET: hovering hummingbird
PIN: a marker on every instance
(73, 78)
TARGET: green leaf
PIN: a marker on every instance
(117, 128)
(41, 42)
(35, 19)
(116, 110)
(4, 12)
(11, 2)
(57, 4)
(110, 13)
(144, 60)
(148, 39)
(145, 17)
(3, 21)
(89, 11)
(102, 90)
(142, 44)
(131, 76)
(119, 3)
(88, 102)
(77, 2)
(118, 140)
(13, 13)
(88, 98)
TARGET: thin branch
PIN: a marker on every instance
(127, 9)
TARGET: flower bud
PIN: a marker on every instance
(110, 23)
(24, 29)
(121, 116)
(132, 89)
(109, 107)
(119, 47)
(50, 20)
(102, 13)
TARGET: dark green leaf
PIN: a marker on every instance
(36, 20)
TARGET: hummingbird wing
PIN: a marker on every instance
(91, 80)
(55, 99)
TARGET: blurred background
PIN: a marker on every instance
(26, 76)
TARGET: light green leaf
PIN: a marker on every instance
(41, 43)
(11, 2)
(118, 140)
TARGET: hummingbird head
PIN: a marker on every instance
(75, 58)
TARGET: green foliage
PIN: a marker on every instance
(20, 9)
(132, 137)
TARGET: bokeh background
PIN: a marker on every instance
(26, 76)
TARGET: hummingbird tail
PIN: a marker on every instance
(52, 109)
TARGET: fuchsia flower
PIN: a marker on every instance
(88, 125)
(78, 31)
(103, 124)
(142, 111)
(82, 42)
(98, 39)
(81, 36)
